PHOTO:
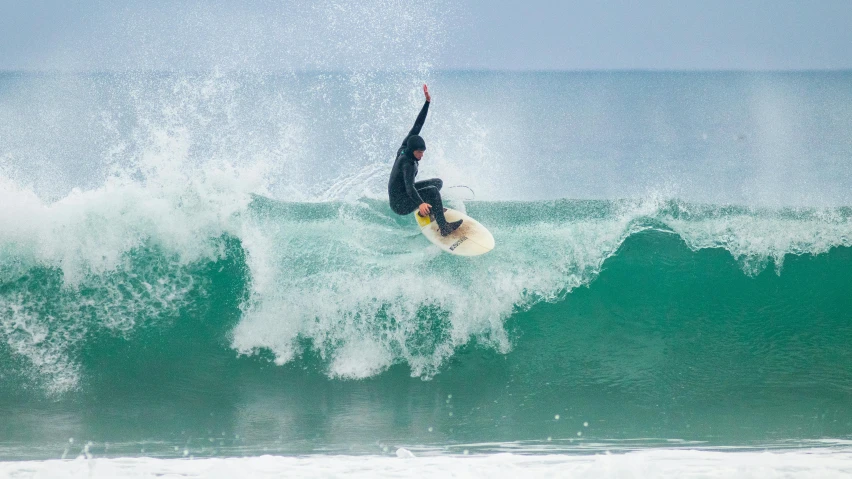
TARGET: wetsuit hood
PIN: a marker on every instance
(415, 143)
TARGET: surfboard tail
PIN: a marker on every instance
(421, 221)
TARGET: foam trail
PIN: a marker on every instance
(348, 282)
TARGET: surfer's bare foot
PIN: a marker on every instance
(450, 227)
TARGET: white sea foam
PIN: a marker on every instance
(662, 463)
(84, 241)
(757, 239)
(366, 293)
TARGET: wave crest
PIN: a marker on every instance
(350, 281)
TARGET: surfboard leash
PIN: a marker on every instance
(464, 186)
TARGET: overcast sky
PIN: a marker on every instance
(444, 34)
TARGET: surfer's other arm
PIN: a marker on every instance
(408, 178)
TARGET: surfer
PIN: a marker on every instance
(405, 194)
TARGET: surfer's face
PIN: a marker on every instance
(418, 154)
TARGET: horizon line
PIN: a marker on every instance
(435, 70)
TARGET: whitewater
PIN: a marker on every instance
(196, 267)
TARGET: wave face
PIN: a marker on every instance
(215, 277)
(351, 282)
(636, 317)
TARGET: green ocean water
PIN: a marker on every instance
(652, 337)
(191, 265)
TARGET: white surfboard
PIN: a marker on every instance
(470, 239)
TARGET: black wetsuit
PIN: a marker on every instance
(405, 194)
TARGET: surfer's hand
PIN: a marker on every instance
(426, 92)
(425, 208)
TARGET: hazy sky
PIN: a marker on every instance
(450, 34)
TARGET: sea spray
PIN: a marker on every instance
(218, 253)
(349, 280)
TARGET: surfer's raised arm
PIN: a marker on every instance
(421, 118)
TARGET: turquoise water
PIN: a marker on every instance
(189, 266)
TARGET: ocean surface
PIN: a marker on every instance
(204, 266)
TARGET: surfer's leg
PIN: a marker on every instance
(431, 195)
(403, 207)
(436, 182)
